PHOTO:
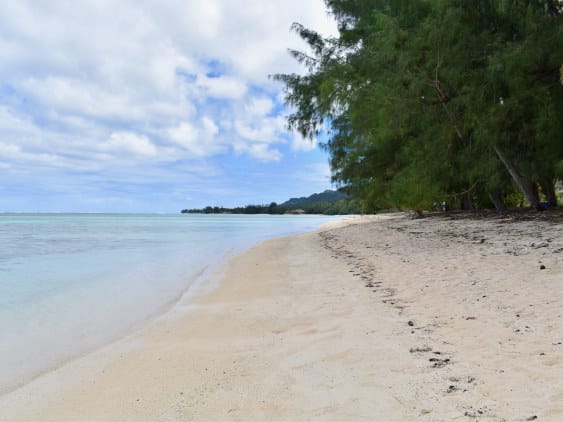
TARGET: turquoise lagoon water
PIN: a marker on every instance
(72, 282)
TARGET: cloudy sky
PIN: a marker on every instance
(151, 106)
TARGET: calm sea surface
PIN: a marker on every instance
(72, 282)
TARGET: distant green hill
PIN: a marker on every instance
(328, 202)
(329, 196)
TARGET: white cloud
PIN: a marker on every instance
(76, 97)
(198, 141)
(92, 85)
(223, 87)
(13, 153)
(184, 134)
(299, 143)
(259, 107)
(260, 130)
(261, 152)
(9, 122)
(129, 143)
(255, 122)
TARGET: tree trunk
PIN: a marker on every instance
(536, 192)
(498, 202)
(548, 188)
(466, 203)
(524, 187)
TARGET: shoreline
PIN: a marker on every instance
(160, 312)
(63, 332)
(395, 319)
(202, 282)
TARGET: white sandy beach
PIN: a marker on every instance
(384, 319)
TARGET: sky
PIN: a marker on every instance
(144, 106)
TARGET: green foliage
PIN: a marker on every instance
(328, 196)
(419, 97)
(327, 202)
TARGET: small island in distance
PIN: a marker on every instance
(328, 202)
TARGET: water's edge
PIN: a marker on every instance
(192, 288)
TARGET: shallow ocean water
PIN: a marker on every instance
(72, 282)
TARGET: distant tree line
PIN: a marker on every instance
(339, 207)
(433, 101)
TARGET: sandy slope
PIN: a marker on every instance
(486, 319)
(393, 319)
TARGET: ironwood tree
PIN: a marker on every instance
(424, 101)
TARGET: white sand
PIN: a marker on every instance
(387, 320)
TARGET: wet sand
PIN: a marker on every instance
(387, 318)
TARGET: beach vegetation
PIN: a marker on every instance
(426, 102)
(327, 203)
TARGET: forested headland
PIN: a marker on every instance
(327, 202)
(427, 102)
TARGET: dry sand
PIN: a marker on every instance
(386, 319)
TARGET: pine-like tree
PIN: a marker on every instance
(433, 100)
